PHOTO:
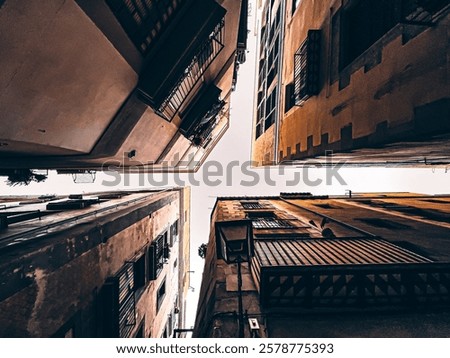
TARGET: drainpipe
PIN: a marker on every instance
(279, 82)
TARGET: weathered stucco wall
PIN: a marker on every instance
(60, 76)
(396, 90)
(62, 276)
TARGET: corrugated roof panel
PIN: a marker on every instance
(332, 252)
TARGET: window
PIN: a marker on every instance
(139, 272)
(270, 109)
(307, 68)
(158, 253)
(364, 23)
(69, 329)
(251, 205)
(173, 233)
(161, 293)
(269, 66)
(268, 220)
(289, 98)
(118, 304)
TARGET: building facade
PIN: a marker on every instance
(363, 81)
(369, 265)
(95, 265)
(133, 85)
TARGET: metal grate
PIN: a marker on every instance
(252, 205)
(205, 55)
(306, 68)
(333, 252)
(271, 223)
(160, 243)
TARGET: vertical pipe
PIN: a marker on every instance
(241, 314)
(280, 107)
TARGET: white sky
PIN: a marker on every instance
(235, 145)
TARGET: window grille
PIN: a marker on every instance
(252, 205)
(271, 223)
(306, 68)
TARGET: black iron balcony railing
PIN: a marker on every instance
(204, 56)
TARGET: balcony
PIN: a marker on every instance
(174, 68)
(242, 34)
(200, 116)
(203, 132)
(345, 273)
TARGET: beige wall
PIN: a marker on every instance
(411, 74)
(60, 76)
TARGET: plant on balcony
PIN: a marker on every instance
(202, 250)
(22, 176)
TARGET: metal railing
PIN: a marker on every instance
(204, 56)
(353, 286)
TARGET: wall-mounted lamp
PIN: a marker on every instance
(235, 245)
(131, 153)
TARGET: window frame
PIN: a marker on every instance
(161, 294)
